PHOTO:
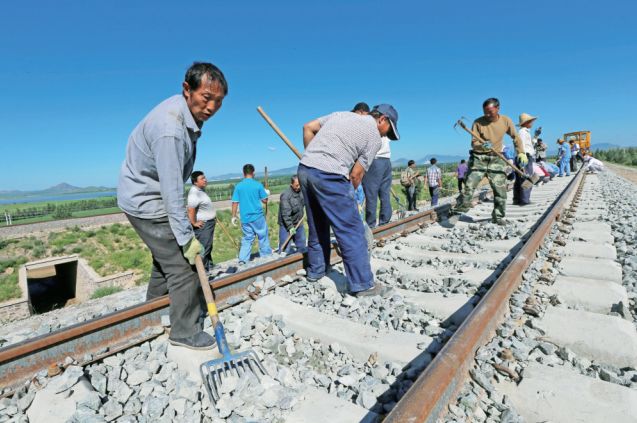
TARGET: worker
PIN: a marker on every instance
(376, 184)
(291, 207)
(522, 197)
(461, 173)
(160, 157)
(202, 215)
(361, 108)
(248, 196)
(540, 149)
(563, 158)
(593, 165)
(410, 182)
(483, 162)
(434, 181)
(339, 149)
(575, 154)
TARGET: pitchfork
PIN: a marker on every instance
(214, 372)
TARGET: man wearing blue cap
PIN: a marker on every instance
(339, 148)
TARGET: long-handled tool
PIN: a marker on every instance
(401, 207)
(214, 372)
(225, 231)
(369, 235)
(529, 181)
(287, 240)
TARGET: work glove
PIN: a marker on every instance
(292, 230)
(522, 159)
(191, 249)
(487, 145)
(538, 131)
(267, 191)
(233, 221)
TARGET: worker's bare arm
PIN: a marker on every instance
(310, 129)
(356, 174)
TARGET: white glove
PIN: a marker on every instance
(233, 221)
(267, 191)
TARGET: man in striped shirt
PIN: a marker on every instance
(339, 148)
(434, 181)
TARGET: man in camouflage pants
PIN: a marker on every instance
(483, 162)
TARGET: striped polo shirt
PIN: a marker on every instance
(343, 139)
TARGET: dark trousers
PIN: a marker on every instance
(298, 239)
(434, 192)
(411, 194)
(329, 201)
(206, 235)
(172, 274)
(377, 184)
(461, 182)
(521, 196)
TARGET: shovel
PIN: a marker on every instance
(401, 207)
(528, 181)
(369, 235)
(214, 372)
(287, 240)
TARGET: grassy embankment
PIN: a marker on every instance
(108, 249)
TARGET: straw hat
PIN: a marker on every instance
(525, 117)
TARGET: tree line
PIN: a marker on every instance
(625, 156)
(61, 210)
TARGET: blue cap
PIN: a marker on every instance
(391, 114)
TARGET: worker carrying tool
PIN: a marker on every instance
(248, 196)
(522, 196)
(160, 157)
(339, 148)
(563, 158)
(291, 207)
(484, 160)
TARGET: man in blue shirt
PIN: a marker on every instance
(564, 158)
(249, 195)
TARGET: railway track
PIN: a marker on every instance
(403, 357)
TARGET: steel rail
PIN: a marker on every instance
(429, 396)
(125, 328)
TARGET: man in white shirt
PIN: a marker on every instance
(522, 197)
(202, 215)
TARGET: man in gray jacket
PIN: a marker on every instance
(160, 157)
(290, 214)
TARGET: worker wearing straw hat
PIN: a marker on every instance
(522, 197)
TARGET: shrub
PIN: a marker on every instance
(9, 286)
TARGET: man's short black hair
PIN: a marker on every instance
(411, 162)
(539, 139)
(293, 179)
(463, 161)
(195, 175)
(248, 169)
(361, 107)
(195, 73)
(491, 102)
(433, 161)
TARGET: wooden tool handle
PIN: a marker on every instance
(278, 131)
(287, 241)
(207, 292)
(497, 153)
(225, 231)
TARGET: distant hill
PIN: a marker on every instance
(62, 188)
(442, 158)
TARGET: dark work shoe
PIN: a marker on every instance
(199, 341)
(377, 289)
(311, 279)
(501, 222)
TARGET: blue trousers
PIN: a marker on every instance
(565, 166)
(298, 239)
(329, 201)
(255, 229)
(377, 184)
(434, 192)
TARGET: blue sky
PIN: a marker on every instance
(77, 76)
